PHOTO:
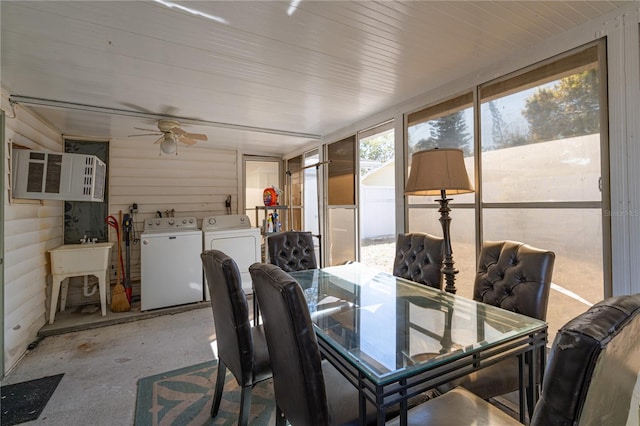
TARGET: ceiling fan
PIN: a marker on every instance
(171, 134)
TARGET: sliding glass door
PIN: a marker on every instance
(544, 173)
(377, 201)
(536, 149)
(342, 212)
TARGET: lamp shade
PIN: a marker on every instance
(436, 169)
(168, 144)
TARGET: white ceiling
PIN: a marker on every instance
(311, 72)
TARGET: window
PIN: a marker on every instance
(449, 124)
(341, 208)
(541, 178)
(542, 157)
(377, 199)
(86, 218)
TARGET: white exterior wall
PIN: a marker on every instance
(30, 229)
(374, 223)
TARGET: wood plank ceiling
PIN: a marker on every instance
(301, 69)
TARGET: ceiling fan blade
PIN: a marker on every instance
(178, 131)
(144, 134)
(147, 130)
(196, 136)
(187, 141)
(160, 139)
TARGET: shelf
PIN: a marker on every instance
(262, 223)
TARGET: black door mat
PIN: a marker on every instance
(22, 402)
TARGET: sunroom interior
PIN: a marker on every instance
(547, 122)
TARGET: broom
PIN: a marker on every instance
(119, 300)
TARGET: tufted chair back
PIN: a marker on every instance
(298, 381)
(514, 276)
(241, 347)
(309, 390)
(292, 251)
(419, 258)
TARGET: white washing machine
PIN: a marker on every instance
(233, 235)
(171, 269)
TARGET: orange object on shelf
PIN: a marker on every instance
(270, 197)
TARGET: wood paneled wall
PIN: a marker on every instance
(196, 182)
(31, 229)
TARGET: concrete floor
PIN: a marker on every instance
(102, 365)
(102, 359)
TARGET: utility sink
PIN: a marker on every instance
(78, 259)
(72, 260)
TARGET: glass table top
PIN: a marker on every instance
(390, 326)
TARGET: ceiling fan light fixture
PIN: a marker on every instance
(168, 144)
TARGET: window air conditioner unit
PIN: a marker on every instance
(43, 175)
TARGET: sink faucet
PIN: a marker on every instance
(87, 240)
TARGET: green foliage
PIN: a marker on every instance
(449, 131)
(499, 128)
(569, 108)
(378, 148)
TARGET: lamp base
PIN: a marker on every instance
(448, 270)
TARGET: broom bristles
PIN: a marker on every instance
(119, 301)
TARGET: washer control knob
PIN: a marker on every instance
(212, 221)
(191, 220)
(184, 221)
(171, 221)
(158, 222)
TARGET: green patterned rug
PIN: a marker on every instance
(184, 396)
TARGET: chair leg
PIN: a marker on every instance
(217, 395)
(245, 406)
(280, 419)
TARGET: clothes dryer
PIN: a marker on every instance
(171, 269)
(233, 235)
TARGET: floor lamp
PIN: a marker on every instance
(440, 172)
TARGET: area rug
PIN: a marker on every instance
(184, 397)
(23, 402)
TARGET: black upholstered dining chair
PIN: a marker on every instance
(309, 391)
(419, 258)
(241, 347)
(516, 277)
(591, 376)
(292, 250)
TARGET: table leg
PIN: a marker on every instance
(521, 388)
(532, 390)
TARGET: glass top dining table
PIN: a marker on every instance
(394, 339)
